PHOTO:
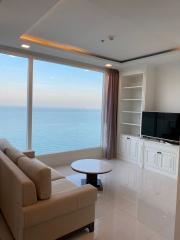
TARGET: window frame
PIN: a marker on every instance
(42, 57)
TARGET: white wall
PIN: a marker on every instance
(167, 87)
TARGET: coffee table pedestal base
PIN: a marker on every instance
(93, 180)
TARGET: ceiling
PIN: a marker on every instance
(139, 27)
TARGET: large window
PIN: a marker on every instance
(66, 108)
(13, 91)
(67, 105)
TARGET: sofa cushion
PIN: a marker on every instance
(4, 144)
(62, 185)
(55, 175)
(13, 154)
(39, 173)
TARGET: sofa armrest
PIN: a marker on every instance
(59, 204)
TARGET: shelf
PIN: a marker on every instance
(131, 112)
(131, 99)
(131, 135)
(125, 75)
(131, 124)
(132, 87)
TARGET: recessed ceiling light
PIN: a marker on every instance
(25, 46)
(108, 65)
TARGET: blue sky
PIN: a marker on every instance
(55, 85)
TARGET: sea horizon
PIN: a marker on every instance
(54, 129)
(48, 107)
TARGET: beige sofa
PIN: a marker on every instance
(37, 202)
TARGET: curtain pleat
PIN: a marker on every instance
(111, 113)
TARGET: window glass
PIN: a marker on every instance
(67, 107)
(13, 99)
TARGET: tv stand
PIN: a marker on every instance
(151, 154)
(161, 157)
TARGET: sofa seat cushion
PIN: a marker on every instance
(13, 154)
(55, 175)
(62, 185)
(39, 173)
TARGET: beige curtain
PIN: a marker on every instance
(110, 113)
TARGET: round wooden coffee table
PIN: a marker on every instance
(92, 167)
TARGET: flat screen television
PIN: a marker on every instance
(161, 125)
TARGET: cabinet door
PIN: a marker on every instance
(124, 147)
(150, 158)
(129, 148)
(134, 150)
(168, 162)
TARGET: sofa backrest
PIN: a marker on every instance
(16, 191)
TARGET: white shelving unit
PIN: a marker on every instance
(131, 102)
(136, 94)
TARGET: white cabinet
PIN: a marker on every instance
(129, 148)
(161, 157)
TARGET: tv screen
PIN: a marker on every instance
(149, 122)
(161, 125)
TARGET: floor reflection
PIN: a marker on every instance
(135, 204)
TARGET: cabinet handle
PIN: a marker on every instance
(159, 152)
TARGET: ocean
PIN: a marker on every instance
(53, 129)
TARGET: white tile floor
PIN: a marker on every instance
(135, 204)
